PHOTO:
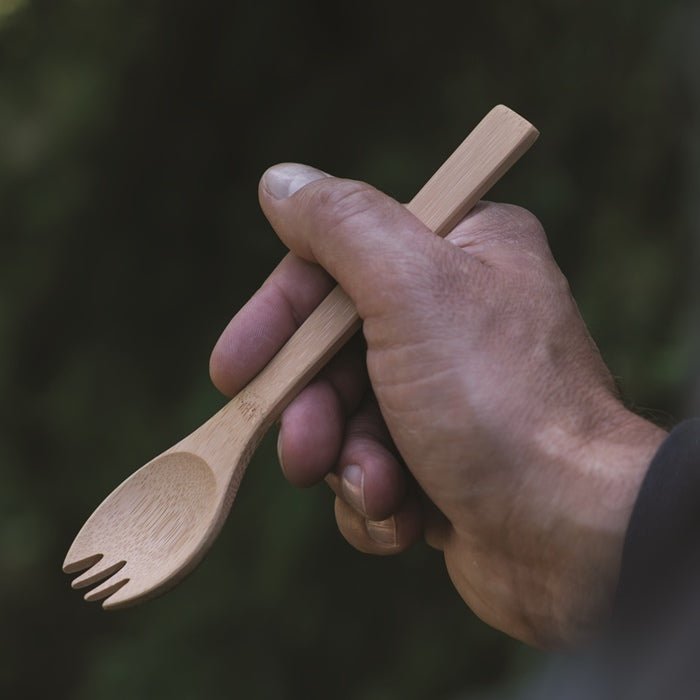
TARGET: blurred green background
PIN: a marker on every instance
(132, 136)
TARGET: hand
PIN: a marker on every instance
(479, 415)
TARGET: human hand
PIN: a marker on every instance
(479, 415)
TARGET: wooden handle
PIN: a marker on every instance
(484, 156)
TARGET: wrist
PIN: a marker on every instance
(613, 459)
(605, 465)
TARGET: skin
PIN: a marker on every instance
(475, 411)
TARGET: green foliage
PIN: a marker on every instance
(133, 136)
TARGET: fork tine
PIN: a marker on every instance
(71, 565)
(106, 588)
(97, 572)
(122, 598)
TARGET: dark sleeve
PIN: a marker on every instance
(661, 556)
(652, 648)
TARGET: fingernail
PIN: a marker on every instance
(382, 531)
(284, 180)
(333, 483)
(279, 449)
(353, 487)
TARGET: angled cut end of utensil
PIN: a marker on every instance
(497, 142)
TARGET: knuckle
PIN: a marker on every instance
(560, 284)
(524, 223)
(515, 224)
(337, 204)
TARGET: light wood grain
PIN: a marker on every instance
(157, 525)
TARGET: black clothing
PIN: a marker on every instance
(661, 555)
(652, 649)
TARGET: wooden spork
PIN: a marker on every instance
(157, 525)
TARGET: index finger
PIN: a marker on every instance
(270, 317)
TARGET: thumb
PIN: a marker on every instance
(371, 244)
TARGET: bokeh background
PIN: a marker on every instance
(132, 136)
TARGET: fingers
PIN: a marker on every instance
(372, 508)
(372, 480)
(390, 536)
(378, 509)
(313, 425)
(266, 322)
(315, 439)
(310, 434)
(377, 250)
(357, 459)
